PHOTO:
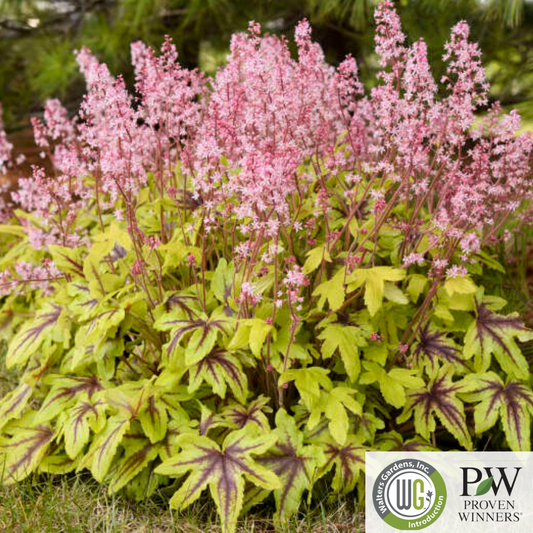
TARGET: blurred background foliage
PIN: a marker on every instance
(37, 38)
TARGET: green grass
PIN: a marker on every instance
(77, 504)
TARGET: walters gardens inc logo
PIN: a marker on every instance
(441, 492)
(409, 494)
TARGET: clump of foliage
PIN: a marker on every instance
(245, 282)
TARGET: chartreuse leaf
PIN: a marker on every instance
(135, 458)
(315, 258)
(102, 326)
(334, 404)
(374, 280)
(175, 253)
(49, 324)
(392, 384)
(114, 241)
(210, 420)
(57, 464)
(67, 259)
(433, 346)
(9, 229)
(416, 285)
(252, 332)
(253, 414)
(459, 285)
(222, 281)
(493, 334)
(104, 447)
(154, 419)
(347, 340)
(295, 463)
(308, 382)
(202, 333)
(64, 393)
(331, 290)
(512, 402)
(348, 459)
(219, 369)
(13, 404)
(25, 450)
(222, 468)
(438, 399)
(490, 261)
(394, 294)
(83, 417)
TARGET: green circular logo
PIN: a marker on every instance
(409, 494)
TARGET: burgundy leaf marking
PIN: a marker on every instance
(433, 345)
(38, 438)
(81, 412)
(91, 385)
(488, 324)
(181, 302)
(348, 458)
(289, 465)
(191, 325)
(32, 334)
(20, 399)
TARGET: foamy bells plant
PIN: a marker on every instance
(245, 282)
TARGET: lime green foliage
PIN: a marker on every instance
(165, 382)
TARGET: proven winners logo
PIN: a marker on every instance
(409, 494)
(497, 483)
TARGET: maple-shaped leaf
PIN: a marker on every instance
(219, 369)
(331, 290)
(223, 468)
(459, 285)
(493, 334)
(13, 403)
(202, 333)
(347, 340)
(438, 399)
(64, 392)
(348, 459)
(335, 404)
(315, 257)
(392, 384)
(433, 346)
(308, 381)
(252, 332)
(511, 401)
(50, 324)
(240, 416)
(296, 465)
(100, 327)
(375, 281)
(24, 451)
(81, 418)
